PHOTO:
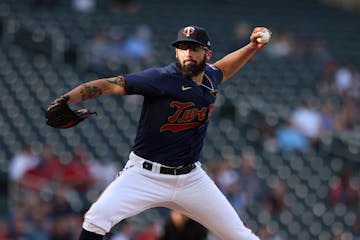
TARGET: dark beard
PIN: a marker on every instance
(192, 69)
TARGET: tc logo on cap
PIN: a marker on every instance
(188, 31)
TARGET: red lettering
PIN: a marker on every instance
(181, 107)
(179, 127)
(201, 114)
(189, 115)
(184, 116)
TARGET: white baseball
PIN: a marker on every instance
(265, 37)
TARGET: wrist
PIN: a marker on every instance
(252, 46)
(65, 97)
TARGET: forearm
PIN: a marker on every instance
(96, 88)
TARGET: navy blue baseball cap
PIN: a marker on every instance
(192, 34)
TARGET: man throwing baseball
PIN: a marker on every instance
(163, 169)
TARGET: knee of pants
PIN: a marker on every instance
(98, 220)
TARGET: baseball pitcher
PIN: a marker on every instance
(163, 169)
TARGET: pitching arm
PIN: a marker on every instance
(96, 88)
(234, 61)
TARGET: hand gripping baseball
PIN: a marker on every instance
(260, 36)
(60, 115)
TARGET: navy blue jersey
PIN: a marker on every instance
(175, 113)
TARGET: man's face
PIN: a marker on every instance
(191, 58)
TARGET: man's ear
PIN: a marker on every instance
(208, 55)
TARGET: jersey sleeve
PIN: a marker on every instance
(146, 83)
(216, 73)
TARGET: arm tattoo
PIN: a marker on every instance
(89, 92)
(119, 80)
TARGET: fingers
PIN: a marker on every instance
(257, 33)
(58, 100)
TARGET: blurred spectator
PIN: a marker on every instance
(77, 173)
(282, 44)
(115, 49)
(274, 198)
(60, 202)
(347, 81)
(268, 138)
(342, 83)
(21, 162)
(138, 46)
(180, 227)
(148, 232)
(65, 214)
(347, 119)
(84, 6)
(125, 232)
(326, 81)
(61, 228)
(236, 196)
(97, 53)
(308, 121)
(320, 53)
(227, 179)
(38, 228)
(355, 90)
(48, 171)
(291, 138)
(300, 47)
(211, 168)
(343, 79)
(327, 117)
(225, 176)
(103, 171)
(20, 229)
(4, 232)
(248, 179)
(50, 209)
(39, 219)
(51, 166)
(110, 52)
(241, 36)
(126, 6)
(343, 189)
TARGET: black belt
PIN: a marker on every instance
(171, 170)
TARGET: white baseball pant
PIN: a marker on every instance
(194, 194)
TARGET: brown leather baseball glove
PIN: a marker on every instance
(60, 115)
